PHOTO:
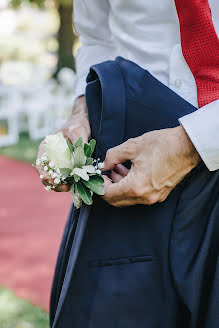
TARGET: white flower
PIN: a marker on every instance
(47, 188)
(54, 175)
(57, 151)
(52, 164)
(58, 171)
(98, 172)
(44, 158)
(45, 168)
(38, 162)
(57, 181)
(41, 176)
(50, 172)
(101, 165)
(81, 173)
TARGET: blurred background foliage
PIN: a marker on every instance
(66, 37)
(37, 42)
(19, 313)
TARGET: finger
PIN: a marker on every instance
(107, 181)
(62, 188)
(118, 155)
(117, 191)
(121, 169)
(116, 177)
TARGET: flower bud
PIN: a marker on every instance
(44, 158)
(101, 165)
(52, 164)
(57, 181)
(98, 172)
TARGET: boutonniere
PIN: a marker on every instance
(73, 165)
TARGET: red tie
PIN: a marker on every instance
(200, 47)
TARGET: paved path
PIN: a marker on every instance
(31, 225)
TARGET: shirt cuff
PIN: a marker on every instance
(202, 127)
(80, 86)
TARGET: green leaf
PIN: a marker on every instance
(76, 177)
(87, 150)
(96, 184)
(70, 146)
(84, 193)
(89, 168)
(79, 157)
(89, 161)
(65, 172)
(70, 180)
(92, 143)
(81, 173)
(78, 143)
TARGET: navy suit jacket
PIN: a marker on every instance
(141, 266)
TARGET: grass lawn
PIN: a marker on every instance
(25, 150)
(19, 313)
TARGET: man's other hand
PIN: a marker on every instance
(160, 160)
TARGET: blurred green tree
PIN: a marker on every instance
(66, 36)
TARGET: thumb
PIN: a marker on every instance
(118, 155)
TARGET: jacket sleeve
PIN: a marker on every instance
(91, 20)
(202, 127)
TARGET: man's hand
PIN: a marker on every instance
(160, 160)
(77, 126)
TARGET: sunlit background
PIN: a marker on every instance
(37, 48)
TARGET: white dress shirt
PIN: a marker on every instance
(147, 33)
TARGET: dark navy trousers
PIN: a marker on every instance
(142, 266)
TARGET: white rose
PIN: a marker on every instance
(57, 151)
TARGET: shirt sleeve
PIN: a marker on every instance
(91, 20)
(202, 127)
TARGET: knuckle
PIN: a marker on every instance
(151, 199)
(109, 153)
(130, 145)
(137, 190)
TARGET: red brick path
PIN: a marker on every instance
(31, 225)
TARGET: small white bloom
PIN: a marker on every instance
(38, 162)
(101, 165)
(47, 188)
(98, 171)
(50, 172)
(54, 175)
(58, 171)
(45, 168)
(52, 164)
(41, 176)
(44, 158)
(57, 181)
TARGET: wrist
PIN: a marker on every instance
(187, 148)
